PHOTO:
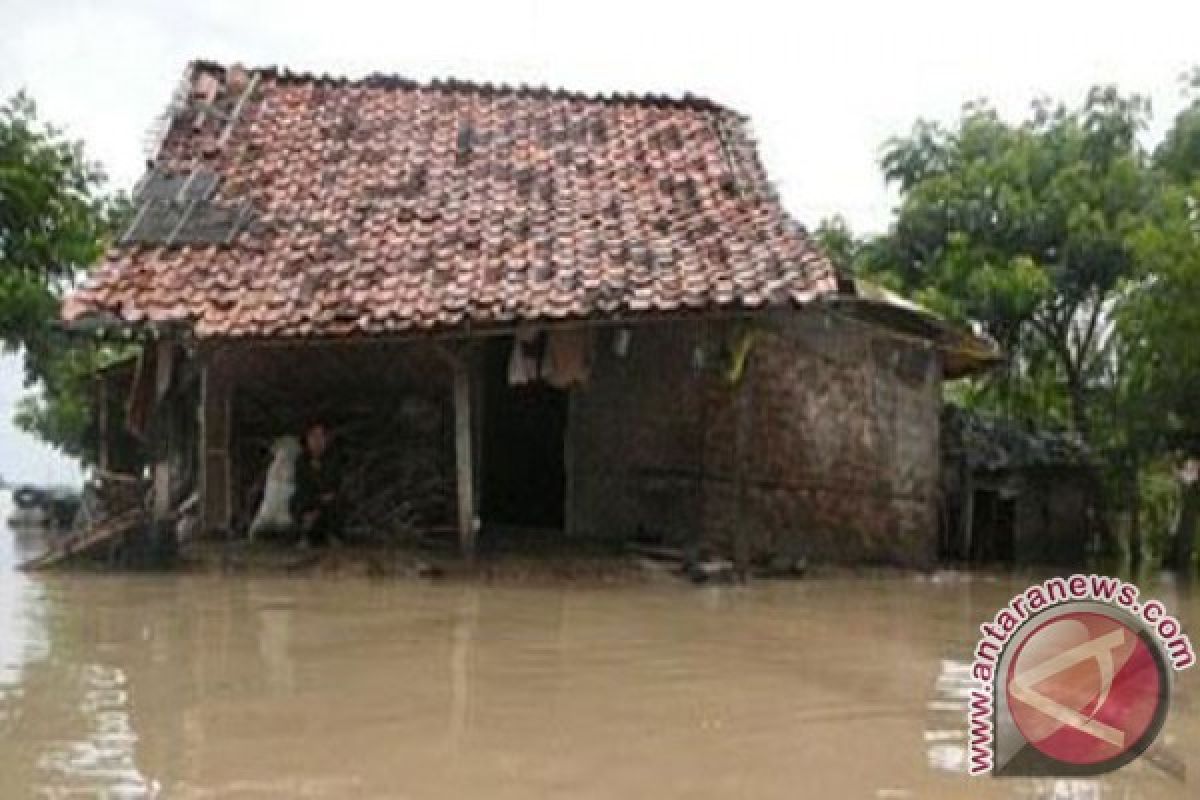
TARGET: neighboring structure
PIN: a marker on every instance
(588, 314)
(1015, 495)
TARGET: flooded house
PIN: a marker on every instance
(518, 309)
(1015, 494)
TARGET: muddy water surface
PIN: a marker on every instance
(196, 687)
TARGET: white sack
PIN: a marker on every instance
(274, 514)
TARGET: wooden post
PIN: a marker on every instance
(162, 448)
(215, 423)
(569, 464)
(464, 463)
(743, 408)
(1135, 520)
(103, 426)
(968, 518)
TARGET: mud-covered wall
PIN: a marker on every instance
(840, 440)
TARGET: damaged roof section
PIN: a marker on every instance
(282, 205)
(997, 444)
(180, 209)
(964, 352)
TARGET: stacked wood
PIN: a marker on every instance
(87, 540)
(396, 492)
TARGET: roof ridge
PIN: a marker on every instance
(380, 80)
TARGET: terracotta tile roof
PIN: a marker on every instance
(319, 206)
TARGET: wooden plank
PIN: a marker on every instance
(464, 465)
(76, 544)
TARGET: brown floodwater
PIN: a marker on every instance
(191, 686)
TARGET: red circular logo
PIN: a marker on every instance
(1086, 688)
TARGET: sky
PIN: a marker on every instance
(825, 84)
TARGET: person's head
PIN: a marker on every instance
(316, 438)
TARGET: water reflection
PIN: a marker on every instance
(196, 687)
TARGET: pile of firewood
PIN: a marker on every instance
(393, 492)
(111, 494)
(397, 470)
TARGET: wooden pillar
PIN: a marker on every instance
(165, 351)
(464, 463)
(103, 425)
(215, 462)
(743, 409)
(569, 528)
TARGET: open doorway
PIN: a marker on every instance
(993, 527)
(524, 463)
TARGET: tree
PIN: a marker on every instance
(1178, 157)
(54, 223)
(1022, 227)
(841, 246)
(1160, 320)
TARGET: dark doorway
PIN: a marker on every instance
(524, 429)
(993, 527)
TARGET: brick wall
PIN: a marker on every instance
(840, 432)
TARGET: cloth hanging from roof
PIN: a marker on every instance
(567, 361)
(739, 351)
(523, 361)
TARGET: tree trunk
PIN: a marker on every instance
(1078, 400)
(1135, 520)
(1185, 529)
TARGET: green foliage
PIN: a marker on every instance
(60, 412)
(1160, 319)
(1080, 254)
(50, 220)
(1179, 154)
(838, 241)
(1022, 228)
(51, 223)
(54, 223)
(1160, 500)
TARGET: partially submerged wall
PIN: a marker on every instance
(838, 428)
(840, 441)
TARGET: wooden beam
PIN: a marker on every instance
(107, 531)
(464, 463)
